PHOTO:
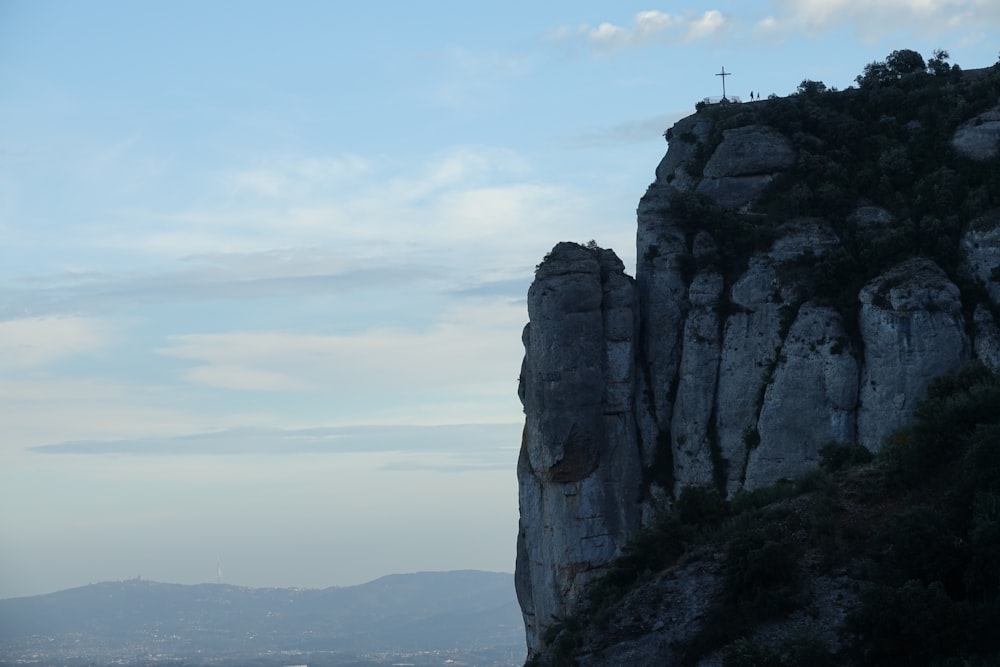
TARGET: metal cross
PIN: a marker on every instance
(724, 74)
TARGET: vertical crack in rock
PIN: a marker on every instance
(580, 473)
(810, 400)
(913, 331)
(720, 363)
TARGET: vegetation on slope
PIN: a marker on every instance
(916, 530)
(885, 143)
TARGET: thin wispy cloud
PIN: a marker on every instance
(472, 445)
(34, 342)
(513, 288)
(296, 176)
(296, 272)
(472, 79)
(875, 19)
(43, 410)
(465, 195)
(647, 27)
(707, 25)
(331, 225)
(632, 131)
(465, 352)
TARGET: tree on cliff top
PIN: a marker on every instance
(899, 63)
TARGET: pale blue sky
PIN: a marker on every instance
(263, 265)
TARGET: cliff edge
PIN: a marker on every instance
(806, 266)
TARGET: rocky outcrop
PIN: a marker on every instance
(697, 382)
(810, 401)
(744, 164)
(979, 138)
(913, 331)
(980, 250)
(579, 470)
(656, 623)
(666, 615)
(731, 360)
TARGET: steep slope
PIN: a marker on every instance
(806, 267)
(894, 561)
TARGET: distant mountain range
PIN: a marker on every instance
(145, 622)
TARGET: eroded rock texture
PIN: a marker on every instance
(979, 138)
(913, 331)
(719, 368)
(579, 468)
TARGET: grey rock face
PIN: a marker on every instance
(662, 252)
(913, 331)
(734, 191)
(979, 139)
(577, 386)
(685, 137)
(697, 373)
(751, 343)
(801, 238)
(655, 622)
(744, 164)
(987, 342)
(980, 248)
(665, 615)
(871, 217)
(764, 301)
(810, 401)
(750, 151)
(694, 408)
(874, 224)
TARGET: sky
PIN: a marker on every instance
(263, 265)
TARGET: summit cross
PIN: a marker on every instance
(724, 74)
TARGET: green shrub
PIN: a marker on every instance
(957, 405)
(906, 625)
(982, 576)
(807, 649)
(935, 596)
(746, 653)
(746, 500)
(836, 456)
(652, 549)
(761, 574)
(701, 506)
(920, 544)
(802, 650)
(814, 480)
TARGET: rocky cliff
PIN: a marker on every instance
(806, 266)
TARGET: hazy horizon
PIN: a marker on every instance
(217, 582)
(264, 266)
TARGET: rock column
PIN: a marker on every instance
(579, 471)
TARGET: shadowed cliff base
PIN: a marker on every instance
(806, 268)
(891, 561)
